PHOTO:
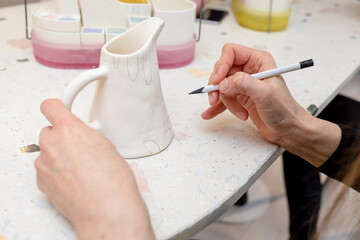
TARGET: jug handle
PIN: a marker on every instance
(80, 82)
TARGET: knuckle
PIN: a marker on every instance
(248, 104)
(240, 84)
(267, 55)
(243, 99)
(238, 80)
(238, 75)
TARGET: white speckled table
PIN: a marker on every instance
(209, 164)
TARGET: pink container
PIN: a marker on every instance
(174, 56)
(77, 56)
(73, 56)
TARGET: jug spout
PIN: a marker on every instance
(138, 37)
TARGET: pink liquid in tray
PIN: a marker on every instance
(174, 56)
(73, 56)
(78, 56)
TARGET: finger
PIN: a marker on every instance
(250, 60)
(259, 61)
(48, 143)
(213, 97)
(243, 83)
(234, 107)
(234, 70)
(213, 111)
(233, 55)
(44, 138)
(245, 101)
(41, 171)
(55, 111)
(214, 75)
(247, 59)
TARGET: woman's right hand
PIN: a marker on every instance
(268, 102)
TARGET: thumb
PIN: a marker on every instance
(243, 83)
(55, 111)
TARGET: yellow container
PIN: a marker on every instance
(259, 20)
(133, 1)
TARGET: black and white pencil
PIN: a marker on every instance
(263, 75)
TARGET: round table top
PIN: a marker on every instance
(209, 164)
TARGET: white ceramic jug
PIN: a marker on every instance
(128, 106)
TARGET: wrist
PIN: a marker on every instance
(123, 229)
(313, 139)
(134, 224)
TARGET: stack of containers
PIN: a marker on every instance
(70, 34)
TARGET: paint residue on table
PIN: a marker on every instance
(206, 55)
(21, 43)
(232, 179)
(179, 136)
(6, 224)
(69, 234)
(200, 172)
(328, 10)
(2, 238)
(42, 203)
(22, 60)
(140, 178)
(198, 73)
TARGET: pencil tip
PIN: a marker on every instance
(197, 91)
(307, 63)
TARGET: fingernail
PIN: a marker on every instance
(204, 115)
(241, 115)
(224, 85)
